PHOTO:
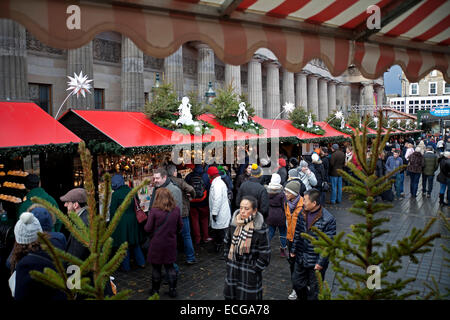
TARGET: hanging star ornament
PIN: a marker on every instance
(288, 107)
(79, 84)
(339, 115)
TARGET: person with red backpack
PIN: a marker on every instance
(199, 211)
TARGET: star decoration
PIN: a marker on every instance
(288, 107)
(79, 84)
(339, 115)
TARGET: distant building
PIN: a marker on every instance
(431, 91)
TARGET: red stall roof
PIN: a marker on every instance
(26, 124)
(134, 129)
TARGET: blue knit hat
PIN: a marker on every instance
(44, 217)
(117, 181)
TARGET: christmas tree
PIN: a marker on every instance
(96, 270)
(359, 252)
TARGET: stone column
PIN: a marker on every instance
(339, 96)
(81, 59)
(254, 80)
(323, 98)
(273, 90)
(132, 76)
(301, 88)
(367, 93)
(233, 77)
(288, 89)
(205, 68)
(13, 61)
(173, 70)
(313, 95)
(380, 95)
(331, 96)
(346, 96)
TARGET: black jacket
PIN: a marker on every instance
(380, 170)
(30, 289)
(326, 166)
(283, 174)
(319, 172)
(444, 170)
(76, 248)
(304, 250)
(253, 187)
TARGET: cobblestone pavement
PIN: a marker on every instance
(205, 280)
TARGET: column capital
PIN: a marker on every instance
(314, 76)
(326, 79)
(272, 63)
(257, 58)
(303, 73)
(367, 83)
(200, 45)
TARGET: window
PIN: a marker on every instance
(440, 101)
(146, 97)
(414, 88)
(432, 88)
(433, 73)
(41, 95)
(446, 88)
(99, 98)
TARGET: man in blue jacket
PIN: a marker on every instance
(392, 163)
(307, 261)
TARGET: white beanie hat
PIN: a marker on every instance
(276, 179)
(27, 228)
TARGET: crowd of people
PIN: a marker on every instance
(239, 214)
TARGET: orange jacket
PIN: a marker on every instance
(292, 218)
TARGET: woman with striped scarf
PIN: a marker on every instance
(247, 252)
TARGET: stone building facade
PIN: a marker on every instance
(124, 76)
(433, 84)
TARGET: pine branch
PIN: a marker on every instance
(64, 219)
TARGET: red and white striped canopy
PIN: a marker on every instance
(414, 33)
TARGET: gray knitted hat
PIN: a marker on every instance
(293, 173)
(27, 228)
(293, 187)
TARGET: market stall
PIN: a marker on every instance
(29, 139)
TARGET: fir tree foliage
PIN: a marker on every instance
(163, 110)
(225, 108)
(98, 267)
(352, 254)
(336, 123)
(299, 118)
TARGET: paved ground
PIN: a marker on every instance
(205, 280)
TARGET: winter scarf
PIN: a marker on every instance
(242, 237)
(292, 204)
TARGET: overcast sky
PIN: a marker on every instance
(392, 84)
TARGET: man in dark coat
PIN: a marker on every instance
(431, 164)
(76, 200)
(307, 261)
(253, 187)
(337, 161)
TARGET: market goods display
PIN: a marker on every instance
(14, 185)
(12, 199)
(17, 173)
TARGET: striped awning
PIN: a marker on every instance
(413, 33)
